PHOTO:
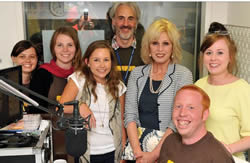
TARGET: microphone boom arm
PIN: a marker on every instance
(11, 88)
(76, 127)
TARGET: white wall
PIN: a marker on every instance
(213, 11)
(238, 13)
(11, 30)
(233, 13)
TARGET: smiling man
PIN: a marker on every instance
(125, 18)
(193, 143)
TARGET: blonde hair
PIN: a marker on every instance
(153, 33)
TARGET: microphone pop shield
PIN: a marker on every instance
(76, 142)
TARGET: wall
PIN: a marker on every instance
(238, 13)
(11, 30)
(233, 13)
(213, 11)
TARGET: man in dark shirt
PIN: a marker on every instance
(127, 45)
(193, 143)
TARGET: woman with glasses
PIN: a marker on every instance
(230, 96)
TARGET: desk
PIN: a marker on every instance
(40, 152)
(58, 139)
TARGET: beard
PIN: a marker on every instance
(125, 36)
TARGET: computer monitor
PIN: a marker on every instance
(10, 106)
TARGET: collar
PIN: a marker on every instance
(56, 70)
(115, 45)
(146, 69)
(167, 81)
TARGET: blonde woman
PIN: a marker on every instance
(152, 87)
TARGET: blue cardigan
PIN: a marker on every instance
(176, 77)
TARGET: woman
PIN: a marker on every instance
(152, 87)
(25, 54)
(98, 86)
(51, 78)
(229, 110)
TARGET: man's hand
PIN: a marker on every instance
(85, 24)
(147, 157)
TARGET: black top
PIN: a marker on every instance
(148, 107)
(124, 56)
(47, 85)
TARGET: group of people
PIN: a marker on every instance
(125, 83)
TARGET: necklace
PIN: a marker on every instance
(102, 118)
(151, 88)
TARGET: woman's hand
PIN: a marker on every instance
(240, 146)
(85, 112)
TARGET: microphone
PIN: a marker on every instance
(76, 133)
(76, 142)
(76, 127)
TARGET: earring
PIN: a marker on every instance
(172, 56)
(150, 55)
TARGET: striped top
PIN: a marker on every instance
(176, 77)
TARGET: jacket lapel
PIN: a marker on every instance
(167, 81)
(143, 79)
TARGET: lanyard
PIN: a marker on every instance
(129, 63)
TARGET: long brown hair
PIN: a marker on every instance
(114, 76)
(72, 33)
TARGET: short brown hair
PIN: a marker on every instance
(22, 46)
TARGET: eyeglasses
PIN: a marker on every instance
(224, 33)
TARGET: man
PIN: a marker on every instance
(193, 143)
(125, 17)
